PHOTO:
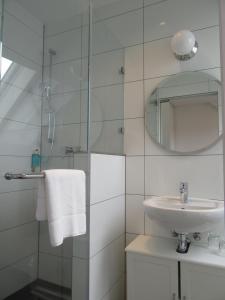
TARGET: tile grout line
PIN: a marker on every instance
(20, 225)
(107, 245)
(105, 200)
(24, 57)
(101, 19)
(174, 155)
(18, 261)
(113, 285)
(26, 25)
(126, 82)
(127, 46)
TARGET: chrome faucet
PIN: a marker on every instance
(184, 192)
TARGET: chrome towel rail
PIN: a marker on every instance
(10, 176)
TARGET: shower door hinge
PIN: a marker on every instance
(121, 130)
(122, 70)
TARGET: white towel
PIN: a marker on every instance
(61, 201)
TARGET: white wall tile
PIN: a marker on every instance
(19, 105)
(118, 32)
(55, 269)
(11, 142)
(59, 26)
(106, 222)
(17, 208)
(107, 225)
(117, 292)
(24, 16)
(105, 8)
(108, 100)
(102, 135)
(106, 103)
(106, 68)
(17, 276)
(203, 173)
(106, 268)
(209, 43)
(63, 162)
(133, 100)
(134, 136)
(160, 61)
(66, 77)
(133, 63)
(150, 2)
(134, 214)
(81, 162)
(81, 244)
(130, 237)
(65, 135)
(17, 36)
(135, 175)
(24, 240)
(80, 279)
(107, 177)
(190, 15)
(67, 46)
(66, 107)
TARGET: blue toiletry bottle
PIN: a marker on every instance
(36, 161)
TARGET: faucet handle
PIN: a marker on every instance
(183, 187)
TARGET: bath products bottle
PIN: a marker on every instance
(36, 161)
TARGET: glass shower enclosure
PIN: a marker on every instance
(44, 111)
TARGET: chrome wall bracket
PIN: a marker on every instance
(10, 176)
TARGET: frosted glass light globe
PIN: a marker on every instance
(184, 43)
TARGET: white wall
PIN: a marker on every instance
(150, 170)
(20, 115)
(107, 227)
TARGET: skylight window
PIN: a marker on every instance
(6, 63)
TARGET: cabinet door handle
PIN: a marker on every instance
(174, 296)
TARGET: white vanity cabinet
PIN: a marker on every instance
(202, 282)
(151, 278)
(155, 271)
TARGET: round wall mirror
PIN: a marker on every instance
(184, 112)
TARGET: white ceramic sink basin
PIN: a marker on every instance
(198, 215)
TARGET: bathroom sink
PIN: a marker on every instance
(198, 215)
